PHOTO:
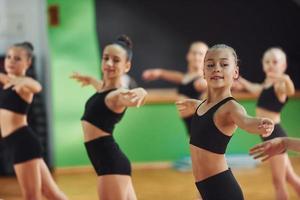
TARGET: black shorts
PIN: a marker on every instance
(222, 186)
(107, 157)
(277, 132)
(23, 144)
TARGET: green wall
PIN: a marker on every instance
(151, 133)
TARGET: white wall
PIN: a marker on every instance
(26, 20)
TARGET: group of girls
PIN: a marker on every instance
(210, 122)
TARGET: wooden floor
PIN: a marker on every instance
(156, 184)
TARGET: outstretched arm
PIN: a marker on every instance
(167, 75)
(87, 80)
(24, 84)
(187, 107)
(256, 125)
(119, 99)
(254, 88)
(273, 147)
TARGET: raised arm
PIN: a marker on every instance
(255, 125)
(167, 75)
(119, 99)
(254, 88)
(87, 80)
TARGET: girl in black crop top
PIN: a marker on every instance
(273, 95)
(102, 112)
(16, 96)
(214, 122)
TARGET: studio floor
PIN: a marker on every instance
(155, 184)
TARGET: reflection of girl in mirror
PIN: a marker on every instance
(32, 173)
(102, 112)
(190, 84)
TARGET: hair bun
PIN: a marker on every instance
(28, 45)
(126, 40)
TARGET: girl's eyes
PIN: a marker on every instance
(114, 60)
(15, 58)
(222, 65)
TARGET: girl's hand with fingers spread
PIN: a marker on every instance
(134, 96)
(86, 80)
(187, 107)
(268, 149)
(266, 127)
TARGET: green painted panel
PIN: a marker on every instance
(150, 133)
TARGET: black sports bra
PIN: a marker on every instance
(10, 100)
(97, 113)
(269, 101)
(188, 89)
(205, 134)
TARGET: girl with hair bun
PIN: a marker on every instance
(102, 112)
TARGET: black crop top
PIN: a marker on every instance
(188, 89)
(205, 134)
(269, 101)
(97, 113)
(10, 100)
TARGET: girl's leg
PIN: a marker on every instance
(278, 167)
(113, 187)
(49, 188)
(29, 178)
(292, 177)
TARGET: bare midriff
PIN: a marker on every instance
(92, 132)
(261, 112)
(206, 163)
(11, 121)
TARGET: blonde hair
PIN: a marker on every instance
(224, 46)
(276, 51)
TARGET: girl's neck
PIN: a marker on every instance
(216, 95)
(16, 75)
(111, 83)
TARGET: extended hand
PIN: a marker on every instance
(268, 149)
(266, 126)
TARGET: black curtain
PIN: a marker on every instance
(162, 31)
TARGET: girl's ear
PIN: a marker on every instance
(128, 66)
(236, 73)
